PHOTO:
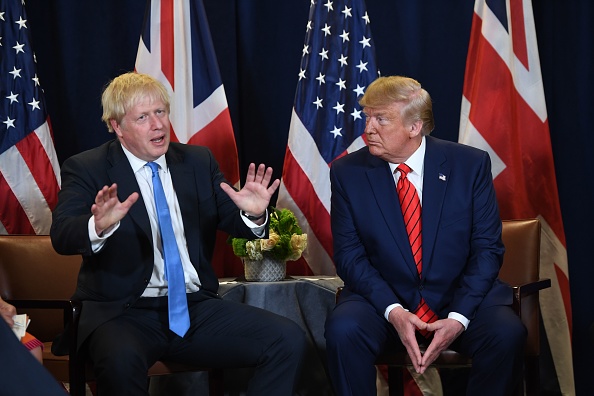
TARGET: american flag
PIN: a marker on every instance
(29, 169)
(504, 112)
(176, 48)
(338, 63)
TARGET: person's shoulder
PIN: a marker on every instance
(189, 149)
(190, 154)
(455, 148)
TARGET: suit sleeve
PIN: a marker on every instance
(69, 230)
(486, 248)
(351, 259)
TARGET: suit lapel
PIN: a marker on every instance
(186, 189)
(383, 189)
(181, 177)
(122, 174)
(435, 181)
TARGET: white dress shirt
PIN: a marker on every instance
(416, 163)
(157, 285)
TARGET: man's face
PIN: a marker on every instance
(145, 129)
(388, 136)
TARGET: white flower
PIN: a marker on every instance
(253, 250)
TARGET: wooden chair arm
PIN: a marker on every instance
(530, 288)
(41, 304)
(526, 290)
(71, 307)
(338, 291)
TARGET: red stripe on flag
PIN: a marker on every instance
(225, 262)
(172, 136)
(12, 215)
(167, 50)
(40, 167)
(469, 90)
(410, 385)
(564, 288)
(218, 136)
(299, 267)
(300, 188)
(518, 32)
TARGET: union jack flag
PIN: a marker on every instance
(504, 112)
(337, 64)
(176, 48)
(29, 169)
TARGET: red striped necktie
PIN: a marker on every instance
(411, 211)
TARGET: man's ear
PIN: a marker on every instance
(115, 126)
(415, 128)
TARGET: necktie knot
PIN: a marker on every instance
(154, 167)
(404, 169)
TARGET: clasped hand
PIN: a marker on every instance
(445, 331)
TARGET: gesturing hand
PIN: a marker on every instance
(108, 209)
(255, 195)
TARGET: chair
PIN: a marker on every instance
(40, 282)
(521, 270)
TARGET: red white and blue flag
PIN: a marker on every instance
(176, 48)
(337, 64)
(504, 113)
(29, 169)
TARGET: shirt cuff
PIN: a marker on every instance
(460, 318)
(257, 229)
(97, 241)
(390, 308)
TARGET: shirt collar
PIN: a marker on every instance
(415, 161)
(138, 164)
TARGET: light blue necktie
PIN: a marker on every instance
(179, 319)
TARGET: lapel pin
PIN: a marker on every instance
(442, 177)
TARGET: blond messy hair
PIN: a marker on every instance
(126, 91)
(392, 89)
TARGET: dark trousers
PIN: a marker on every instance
(222, 334)
(356, 334)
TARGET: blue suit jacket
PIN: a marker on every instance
(112, 279)
(462, 247)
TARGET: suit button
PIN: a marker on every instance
(127, 305)
(146, 281)
(421, 287)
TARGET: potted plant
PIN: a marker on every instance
(265, 259)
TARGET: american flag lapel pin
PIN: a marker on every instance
(442, 177)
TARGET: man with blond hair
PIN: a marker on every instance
(110, 210)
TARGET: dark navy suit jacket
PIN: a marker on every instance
(461, 231)
(112, 279)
